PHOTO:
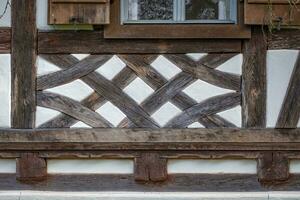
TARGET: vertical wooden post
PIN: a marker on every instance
(254, 80)
(30, 167)
(23, 60)
(150, 167)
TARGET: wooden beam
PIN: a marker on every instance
(254, 80)
(290, 111)
(175, 183)
(150, 167)
(30, 167)
(93, 42)
(5, 38)
(284, 39)
(149, 139)
(23, 61)
(273, 168)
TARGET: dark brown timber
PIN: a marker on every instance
(150, 139)
(254, 80)
(23, 60)
(30, 167)
(93, 42)
(5, 40)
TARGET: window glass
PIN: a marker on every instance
(179, 11)
(150, 9)
(207, 9)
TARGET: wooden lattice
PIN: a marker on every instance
(73, 111)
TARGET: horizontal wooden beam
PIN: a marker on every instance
(150, 139)
(175, 183)
(5, 40)
(93, 42)
(284, 39)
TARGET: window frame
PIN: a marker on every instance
(117, 30)
(178, 15)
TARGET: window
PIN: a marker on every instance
(179, 11)
(176, 19)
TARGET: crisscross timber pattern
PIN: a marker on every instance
(138, 115)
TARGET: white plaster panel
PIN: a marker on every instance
(196, 56)
(165, 113)
(29, 195)
(165, 67)
(42, 15)
(44, 67)
(111, 68)
(196, 125)
(5, 88)
(5, 20)
(7, 166)
(299, 123)
(201, 90)
(234, 65)
(44, 114)
(81, 125)
(211, 166)
(77, 90)
(280, 65)
(295, 166)
(111, 113)
(233, 115)
(90, 166)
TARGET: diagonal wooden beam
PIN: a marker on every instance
(214, 60)
(207, 107)
(72, 108)
(290, 111)
(215, 77)
(80, 69)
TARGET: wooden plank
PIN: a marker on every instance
(208, 107)
(273, 167)
(67, 42)
(72, 108)
(274, 1)
(125, 183)
(215, 60)
(290, 111)
(150, 167)
(284, 39)
(215, 77)
(79, 70)
(276, 14)
(23, 60)
(254, 80)
(150, 139)
(5, 40)
(30, 167)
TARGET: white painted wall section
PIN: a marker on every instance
(7, 166)
(280, 65)
(5, 90)
(197, 166)
(90, 166)
(5, 21)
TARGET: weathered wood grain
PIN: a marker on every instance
(273, 167)
(284, 39)
(254, 80)
(72, 108)
(23, 60)
(114, 94)
(30, 167)
(290, 111)
(175, 183)
(150, 167)
(208, 107)
(80, 69)
(150, 139)
(5, 40)
(67, 42)
(215, 77)
(215, 121)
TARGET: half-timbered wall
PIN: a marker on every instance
(153, 86)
